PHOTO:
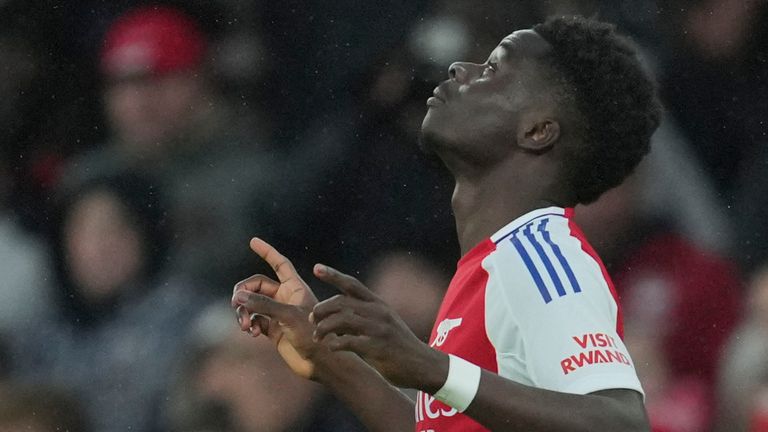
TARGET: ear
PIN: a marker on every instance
(539, 136)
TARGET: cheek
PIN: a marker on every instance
(85, 250)
(126, 104)
(149, 112)
(493, 110)
(478, 115)
(125, 253)
(489, 112)
(102, 258)
(176, 100)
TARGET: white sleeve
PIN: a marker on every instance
(553, 320)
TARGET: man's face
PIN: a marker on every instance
(478, 108)
(242, 374)
(148, 112)
(104, 249)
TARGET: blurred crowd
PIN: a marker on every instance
(142, 144)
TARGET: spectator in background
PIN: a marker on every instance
(680, 303)
(167, 119)
(121, 313)
(24, 263)
(47, 111)
(412, 285)
(40, 409)
(714, 82)
(222, 182)
(225, 385)
(744, 371)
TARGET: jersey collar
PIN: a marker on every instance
(524, 219)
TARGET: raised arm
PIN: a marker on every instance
(358, 321)
(282, 309)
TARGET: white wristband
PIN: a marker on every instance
(461, 385)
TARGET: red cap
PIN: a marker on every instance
(152, 40)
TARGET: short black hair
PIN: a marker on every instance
(614, 96)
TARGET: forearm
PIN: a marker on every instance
(379, 405)
(537, 410)
(360, 322)
(501, 404)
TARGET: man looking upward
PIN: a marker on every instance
(529, 333)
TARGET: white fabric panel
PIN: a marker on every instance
(569, 344)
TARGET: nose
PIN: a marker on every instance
(459, 72)
(464, 72)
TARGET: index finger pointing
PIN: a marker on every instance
(279, 263)
(345, 283)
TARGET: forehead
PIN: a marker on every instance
(526, 43)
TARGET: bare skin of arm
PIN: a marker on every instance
(318, 341)
(289, 301)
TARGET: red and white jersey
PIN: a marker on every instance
(535, 305)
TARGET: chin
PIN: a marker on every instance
(431, 135)
(431, 142)
(431, 121)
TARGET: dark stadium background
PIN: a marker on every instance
(300, 125)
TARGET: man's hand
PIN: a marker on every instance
(282, 309)
(360, 322)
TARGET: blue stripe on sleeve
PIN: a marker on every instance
(559, 255)
(545, 259)
(531, 268)
(502, 238)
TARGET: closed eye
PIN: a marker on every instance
(490, 68)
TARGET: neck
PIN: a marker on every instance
(485, 202)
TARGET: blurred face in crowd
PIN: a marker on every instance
(412, 286)
(146, 112)
(483, 105)
(609, 220)
(104, 248)
(718, 30)
(250, 380)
